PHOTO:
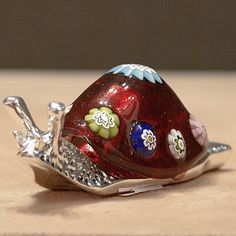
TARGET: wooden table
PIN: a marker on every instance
(204, 206)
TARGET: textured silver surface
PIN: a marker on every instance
(51, 148)
(58, 164)
(73, 164)
(218, 147)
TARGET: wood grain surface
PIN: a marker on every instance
(204, 206)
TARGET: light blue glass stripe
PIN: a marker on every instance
(157, 78)
(126, 71)
(138, 73)
(132, 69)
(116, 69)
(149, 76)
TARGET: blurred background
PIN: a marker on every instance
(98, 34)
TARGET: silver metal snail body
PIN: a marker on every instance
(65, 158)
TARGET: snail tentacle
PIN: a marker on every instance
(56, 113)
(37, 143)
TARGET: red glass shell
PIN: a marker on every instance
(132, 100)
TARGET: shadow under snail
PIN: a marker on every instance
(126, 133)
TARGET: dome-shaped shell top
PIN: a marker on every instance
(135, 122)
(137, 71)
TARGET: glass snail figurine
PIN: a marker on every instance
(126, 133)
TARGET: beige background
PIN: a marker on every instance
(204, 206)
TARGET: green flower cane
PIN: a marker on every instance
(103, 122)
